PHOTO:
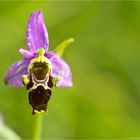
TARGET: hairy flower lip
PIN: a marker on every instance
(36, 37)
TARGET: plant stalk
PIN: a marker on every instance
(37, 130)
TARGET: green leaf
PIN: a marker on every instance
(8, 134)
(60, 49)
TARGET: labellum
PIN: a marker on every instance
(39, 82)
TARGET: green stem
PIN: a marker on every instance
(37, 130)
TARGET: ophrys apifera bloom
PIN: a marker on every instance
(40, 70)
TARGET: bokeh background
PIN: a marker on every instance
(105, 61)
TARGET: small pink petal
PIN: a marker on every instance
(26, 53)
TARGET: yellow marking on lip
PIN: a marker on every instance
(25, 79)
(39, 112)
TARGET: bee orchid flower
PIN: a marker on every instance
(40, 69)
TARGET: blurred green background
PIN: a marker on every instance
(105, 61)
